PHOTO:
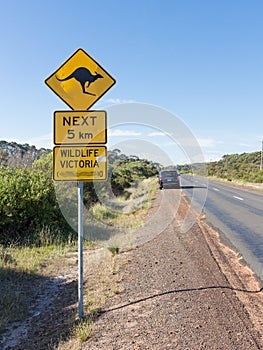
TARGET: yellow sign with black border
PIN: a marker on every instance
(79, 163)
(80, 127)
(80, 81)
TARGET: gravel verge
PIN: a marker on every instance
(182, 291)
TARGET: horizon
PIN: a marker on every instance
(123, 152)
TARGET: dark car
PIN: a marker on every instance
(169, 179)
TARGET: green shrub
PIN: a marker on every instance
(242, 167)
(29, 210)
(28, 204)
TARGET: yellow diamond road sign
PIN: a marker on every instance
(80, 127)
(80, 81)
(79, 163)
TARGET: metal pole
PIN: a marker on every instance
(261, 161)
(80, 247)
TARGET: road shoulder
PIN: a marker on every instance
(183, 291)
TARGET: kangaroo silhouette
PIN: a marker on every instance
(83, 76)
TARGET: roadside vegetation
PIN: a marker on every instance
(29, 211)
(33, 231)
(243, 167)
(37, 243)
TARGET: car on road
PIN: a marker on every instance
(169, 179)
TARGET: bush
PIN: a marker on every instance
(28, 203)
(244, 167)
(29, 209)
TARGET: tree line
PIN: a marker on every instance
(243, 167)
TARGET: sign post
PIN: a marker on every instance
(80, 81)
(80, 248)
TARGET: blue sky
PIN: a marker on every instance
(202, 60)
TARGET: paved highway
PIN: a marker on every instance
(235, 212)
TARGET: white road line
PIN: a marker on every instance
(239, 198)
(216, 189)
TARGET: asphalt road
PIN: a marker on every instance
(236, 213)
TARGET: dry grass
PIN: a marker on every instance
(101, 283)
(102, 265)
(18, 273)
(128, 213)
(23, 269)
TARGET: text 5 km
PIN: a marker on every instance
(80, 135)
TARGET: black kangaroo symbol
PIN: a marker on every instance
(83, 76)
